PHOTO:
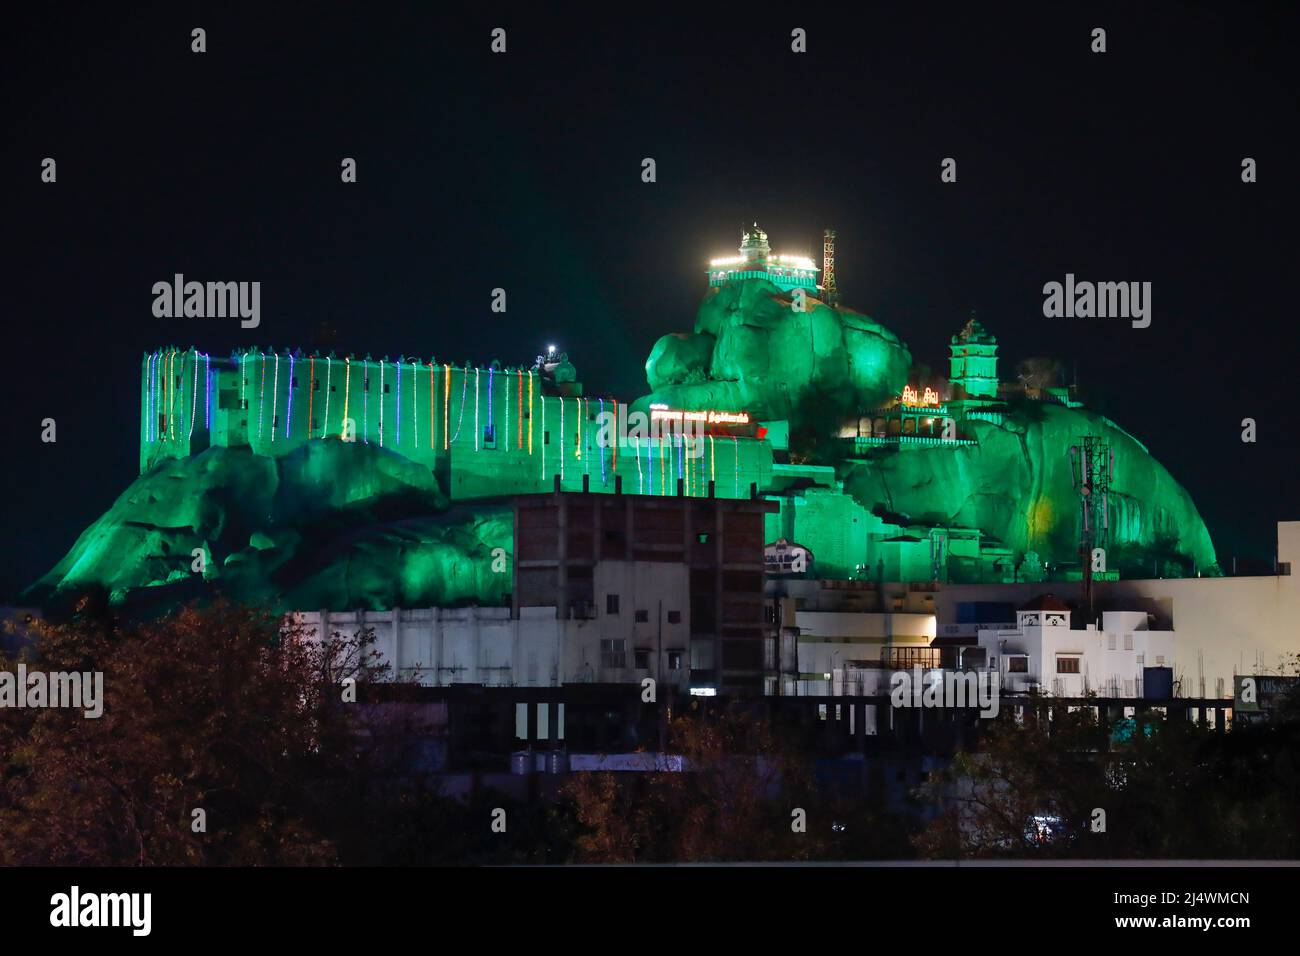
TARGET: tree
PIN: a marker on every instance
(225, 710)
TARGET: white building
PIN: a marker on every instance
(1226, 626)
(1043, 653)
(640, 627)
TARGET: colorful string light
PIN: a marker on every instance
(530, 430)
(735, 444)
(507, 422)
(347, 394)
(261, 398)
(600, 451)
(464, 391)
(207, 390)
(194, 393)
(530, 412)
(520, 406)
(329, 374)
(275, 394)
(288, 398)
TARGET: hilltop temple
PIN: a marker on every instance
(331, 481)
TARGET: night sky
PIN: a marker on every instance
(522, 171)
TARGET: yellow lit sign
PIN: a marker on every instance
(662, 413)
(910, 396)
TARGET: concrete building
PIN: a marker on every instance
(606, 589)
(1044, 654)
(1225, 625)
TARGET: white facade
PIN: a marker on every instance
(641, 628)
(1044, 654)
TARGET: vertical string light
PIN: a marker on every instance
(618, 433)
(476, 433)
(464, 391)
(169, 396)
(148, 398)
(329, 373)
(530, 430)
(207, 390)
(243, 382)
(415, 402)
(492, 422)
(347, 394)
(288, 398)
(365, 404)
(397, 437)
(563, 440)
(663, 472)
(520, 406)
(261, 398)
(381, 403)
(433, 408)
(446, 406)
(713, 461)
(275, 394)
(599, 450)
(506, 426)
(311, 397)
(640, 478)
(530, 412)
(194, 391)
(577, 448)
(735, 444)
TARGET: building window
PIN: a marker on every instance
(1128, 642)
(365, 385)
(388, 387)
(1067, 665)
(275, 421)
(1141, 659)
(1017, 665)
(489, 436)
(613, 652)
(642, 656)
(674, 617)
(1110, 642)
(315, 386)
(642, 616)
(611, 603)
(546, 438)
(333, 387)
(314, 425)
(674, 660)
(293, 381)
(1160, 660)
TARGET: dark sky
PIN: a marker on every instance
(523, 171)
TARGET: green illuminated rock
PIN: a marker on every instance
(333, 525)
(751, 350)
(1015, 484)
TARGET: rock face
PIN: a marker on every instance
(750, 350)
(1015, 484)
(333, 525)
